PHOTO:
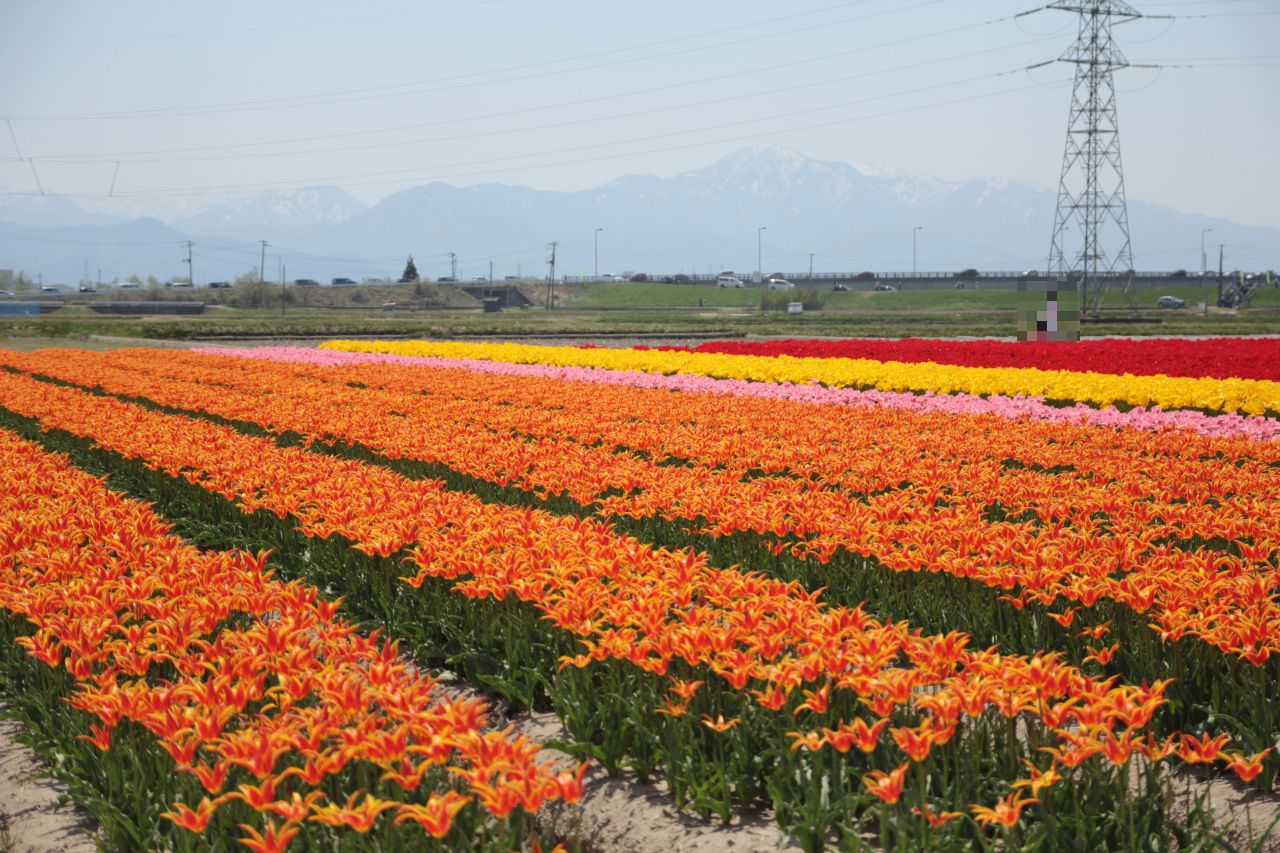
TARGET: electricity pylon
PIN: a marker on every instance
(1091, 191)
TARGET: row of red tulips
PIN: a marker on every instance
(1219, 358)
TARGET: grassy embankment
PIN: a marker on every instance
(636, 309)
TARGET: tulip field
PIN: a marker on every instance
(907, 595)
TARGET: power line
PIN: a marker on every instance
(35, 174)
(292, 24)
(106, 243)
(543, 108)
(406, 174)
(14, 137)
(580, 121)
(345, 96)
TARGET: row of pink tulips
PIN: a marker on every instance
(1154, 419)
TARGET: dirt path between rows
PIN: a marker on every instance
(33, 818)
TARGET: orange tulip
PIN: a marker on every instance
(887, 786)
(1006, 813)
(1247, 769)
(719, 725)
(436, 817)
(272, 841)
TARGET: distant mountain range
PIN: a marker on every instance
(851, 218)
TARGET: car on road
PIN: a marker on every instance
(886, 287)
(841, 287)
(1028, 275)
(4, 294)
(306, 282)
(343, 282)
(1170, 302)
(728, 281)
(446, 279)
(219, 285)
(668, 279)
(639, 277)
(780, 284)
(682, 279)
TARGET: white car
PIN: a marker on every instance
(728, 281)
(780, 284)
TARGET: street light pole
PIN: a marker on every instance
(596, 245)
(1204, 286)
(913, 249)
(759, 254)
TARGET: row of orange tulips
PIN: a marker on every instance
(1051, 512)
(669, 614)
(252, 686)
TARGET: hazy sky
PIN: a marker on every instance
(209, 99)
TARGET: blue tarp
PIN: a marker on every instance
(18, 309)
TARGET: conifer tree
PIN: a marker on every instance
(410, 271)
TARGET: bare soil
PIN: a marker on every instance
(624, 815)
(33, 815)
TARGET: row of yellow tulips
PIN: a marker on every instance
(1247, 396)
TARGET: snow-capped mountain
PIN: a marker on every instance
(705, 219)
(271, 213)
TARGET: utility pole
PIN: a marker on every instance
(453, 266)
(262, 263)
(283, 270)
(596, 246)
(1204, 285)
(1091, 188)
(759, 253)
(914, 231)
(191, 275)
(811, 269)
(1220, 248)
(551, 279)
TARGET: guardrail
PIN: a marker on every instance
(997, 280)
